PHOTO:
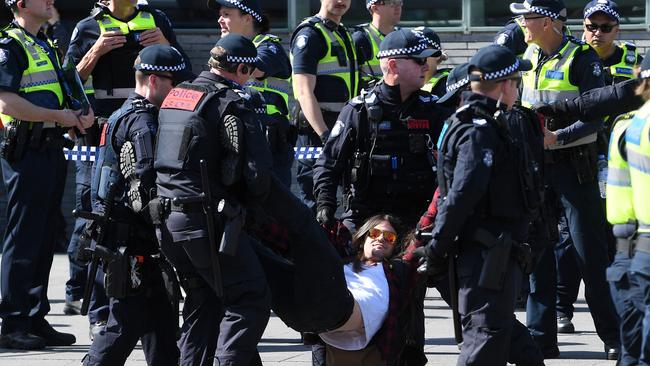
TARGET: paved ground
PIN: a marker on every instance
(280, 344)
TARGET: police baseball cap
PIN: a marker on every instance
(607, 7)
(495, 62)
(162, 58)
(251, 7)
(457, 79)
(239, 49)
(554, 9)
(10, 3)
(645, 67)
(431, 37)
(370, 3)
(407, 43)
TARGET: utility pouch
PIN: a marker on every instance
(583, 159)
(117, 271)
(380, 165)
(495, 264)
(16, 135)
(359, 166)
(36, 136)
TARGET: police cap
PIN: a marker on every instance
(251, 7)
(495, 62)
(407, 43)
(10, 3)
(431, 37)
(162, 58)
(610, 9)
(239, 49)
(457, 79)
(554, 9)
(645, 67)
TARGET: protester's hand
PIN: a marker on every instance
(107, 42)
(153, 36)
(431, 263)
(325, 217)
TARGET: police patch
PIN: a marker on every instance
(479, 122)
(336, 130)
(488, 157)
(4, 56)
(273, 48)
(630, 59)
(596, 69)
(301, 41)
(502, 39)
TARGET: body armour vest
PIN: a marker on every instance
(624, 68)
(186, 136)
(394, 162)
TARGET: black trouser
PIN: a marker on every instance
(149, 317)
(233, 325)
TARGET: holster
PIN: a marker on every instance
(170, 281)
(495, 264)
(584, 160)
(159, 208)
(235, 217)
(117, 271)
(16, 139)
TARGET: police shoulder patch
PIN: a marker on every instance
(4, 56)
(596, 69)
(356, 100)
(337, 129)
(479, 121)
(301, 41)
(502, 39)
(488, 157)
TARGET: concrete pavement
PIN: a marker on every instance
(280, 345)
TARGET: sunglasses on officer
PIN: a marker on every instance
(605, 28)
(389, 236)
(419, 61)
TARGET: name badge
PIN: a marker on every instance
(555, 75)
(417, 124)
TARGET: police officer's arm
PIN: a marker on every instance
(363, 46)
(84, 57)
(273, 61)
(307, 48)
(476, 154)
(614, 99)
(335, 158)
(141, 131)
(586, 72)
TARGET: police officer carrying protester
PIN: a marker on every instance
(228, 303)
(271, 77)
(325, 77)
(478, 166)
(104, 47)
(637, 147)
(601, 27)
(563, 68)
(367, 37)
(142, 305)
(34, 103)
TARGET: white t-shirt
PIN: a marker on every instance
(370, 290)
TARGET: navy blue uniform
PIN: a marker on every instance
(233, 324)
(34, 190)
(480, 191)
(512, 36)
(146, 314)
(582, 223)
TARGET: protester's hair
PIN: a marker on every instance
(263, 26)
(218, 60)
(643, 89)
(359, 238)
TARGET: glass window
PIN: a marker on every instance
(436, 13)
(497, 12)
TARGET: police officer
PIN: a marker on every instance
(563, 68)
(367, 37)
(457, 83)
(271, 77)
(213, 108)
(437, 77)
(34, 107)
(140, 306)
(601, 27)
(325, 77)
(637, 147)
(513, 36)
(103, 48)
(478, 166)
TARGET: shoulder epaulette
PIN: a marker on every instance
(629, 45)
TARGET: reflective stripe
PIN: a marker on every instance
(637, 143)
(117, 93)
(435, 79)
(644, 228)
(143, 21)
(638, 161)
(281, 87)
(370, 68)
(618, 177)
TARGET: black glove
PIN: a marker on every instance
(558, 114)
(325, 216)
(324, 136)
(431, 263)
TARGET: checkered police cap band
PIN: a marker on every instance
(457, 85)
(10, 3)
(644, 74)
(603, 8)
(241, 60)
(547, 13)
(370, 3)
(246, 9)
(403, 51)
(158, 68)
(431, 42)
(501, 73)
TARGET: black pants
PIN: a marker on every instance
(150, 318)
(231, 326)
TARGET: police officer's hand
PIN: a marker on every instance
(71, 118)
(107, 42)
(153, 36)
(431, 263)
(550, 138)
(325, 216)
